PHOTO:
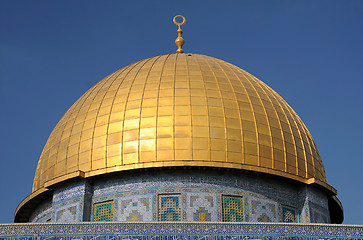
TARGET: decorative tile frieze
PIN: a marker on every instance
(200, 195)
(180, 231)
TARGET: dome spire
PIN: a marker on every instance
(179, 41)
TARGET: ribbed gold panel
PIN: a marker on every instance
(179, 110)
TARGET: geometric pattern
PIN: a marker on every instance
(264, 218)
(134, 216)
(67, 215)
(180, 231)
(202, 215)
(103, 211)
(232, 209)
(135, 209)
(124, 204)
(169, 207)
(262, 210)
(289, 214)
(202, 208)
(145, 201)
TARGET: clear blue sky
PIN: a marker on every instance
(310, 52)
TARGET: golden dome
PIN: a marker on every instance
(179, 110)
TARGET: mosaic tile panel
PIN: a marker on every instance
(232, 209)
(103, 211)
(65, 204)
(169, 207)
(67, 214)
(289, 214)
(136, 208)
(262, 210)
(202, 207)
